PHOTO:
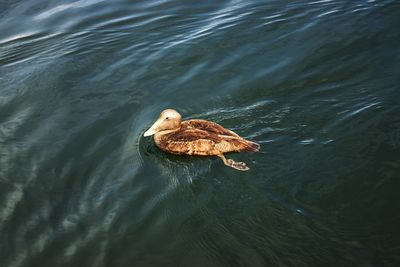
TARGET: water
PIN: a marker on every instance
(315, 83)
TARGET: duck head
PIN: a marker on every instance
(169, 120)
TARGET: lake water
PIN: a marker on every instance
(316, 83)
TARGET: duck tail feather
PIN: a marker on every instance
(251, 147)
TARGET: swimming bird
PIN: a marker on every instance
(198, 137)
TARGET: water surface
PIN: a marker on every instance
(314, 82)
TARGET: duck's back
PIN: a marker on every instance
(203, 138)
(208, 126)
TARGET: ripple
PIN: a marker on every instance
(11, 201)
(63, 7)
(26, 47)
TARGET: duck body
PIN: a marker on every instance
(199, 138)
(202, 138)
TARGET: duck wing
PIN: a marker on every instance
(190, 135)
(201, 142)
(209, 126)
(190, 141)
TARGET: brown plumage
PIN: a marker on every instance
(198, 137)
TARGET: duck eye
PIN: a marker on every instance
(167, 118)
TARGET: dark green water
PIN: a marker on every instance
(315, 83)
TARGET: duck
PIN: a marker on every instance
(198, 137)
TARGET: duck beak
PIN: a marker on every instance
(149, 132)
(153, 129)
